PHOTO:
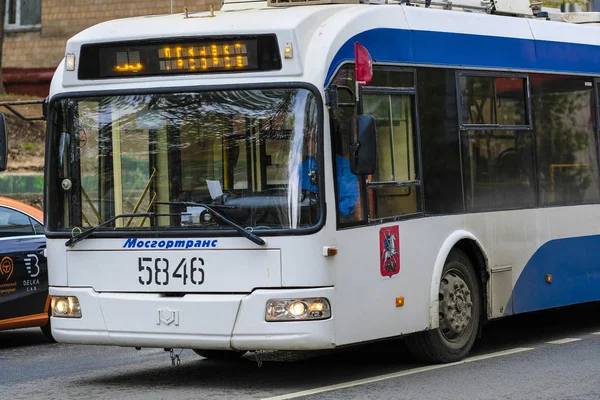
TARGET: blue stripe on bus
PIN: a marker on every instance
(475, 51)
(574, 264)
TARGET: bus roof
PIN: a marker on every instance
(246, 20)
(322, 38)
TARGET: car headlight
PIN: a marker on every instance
(66, 307)
(297, 309)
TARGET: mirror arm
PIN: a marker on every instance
(9, 105)
(332, 98)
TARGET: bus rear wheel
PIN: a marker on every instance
(220, 355)
(459, 313)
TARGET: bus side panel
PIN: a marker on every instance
(57, 262)
(509, 238)
(569, 258)
(365, 303)
(529, 243)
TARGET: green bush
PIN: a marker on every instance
(21, 184)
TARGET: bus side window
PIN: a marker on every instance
(497, 143)
(567, 162)
(394, 188)
(440, 145)
(347, 189)
(348, 197)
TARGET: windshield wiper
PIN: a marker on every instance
(82, 235)
(246, 233)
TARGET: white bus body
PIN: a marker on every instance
(524, 259)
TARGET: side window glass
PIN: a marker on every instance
(510, 101)
(440, 144)
(349, 202)
(497, 143)
(38, 228)
(23, 14)
(348, 197)
(498, 169)
(395, 154)
(563, 109)
(14, 223)
(393, 189)
(477, 100)
(491, 100)
(392, 78)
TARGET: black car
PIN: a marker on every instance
(24, 300)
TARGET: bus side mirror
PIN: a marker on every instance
(363, 153)
(3, 144)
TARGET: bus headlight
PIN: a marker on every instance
(297, 309)
(66, 307)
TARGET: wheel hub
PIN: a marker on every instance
(460, 304)
(456, 307)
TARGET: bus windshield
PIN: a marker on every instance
(250, 154)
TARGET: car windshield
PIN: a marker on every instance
(250, 154)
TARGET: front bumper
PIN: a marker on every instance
(197, 321)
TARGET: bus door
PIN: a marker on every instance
(394, 189)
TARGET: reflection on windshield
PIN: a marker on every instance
(295, 158)
(240, 151)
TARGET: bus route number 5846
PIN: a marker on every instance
(156, 271)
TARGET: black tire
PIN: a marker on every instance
(220, 355)
(459, 296)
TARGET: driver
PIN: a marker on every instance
(347, 182)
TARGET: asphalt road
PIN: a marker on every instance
(546, 355)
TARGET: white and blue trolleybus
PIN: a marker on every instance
(294, 175)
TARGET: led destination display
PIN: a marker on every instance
(190, 56)
(230, 56)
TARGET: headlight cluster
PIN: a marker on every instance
(66, 307)
(298, 309)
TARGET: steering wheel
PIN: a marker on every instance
(222, 199)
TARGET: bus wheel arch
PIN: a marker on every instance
(468, 243)
(460, 311)
(474, 251)
(458, 301)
